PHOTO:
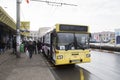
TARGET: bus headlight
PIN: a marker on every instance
(60, 57)
(88, 55)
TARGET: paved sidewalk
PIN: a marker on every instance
(4, 56)
(24, 68)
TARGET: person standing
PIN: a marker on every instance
(0, 47)
(14, 44)
(39, 46)
(30, 48)
(3, 46)
(35, 45)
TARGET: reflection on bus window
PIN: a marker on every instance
(72, 41)
(82, 40)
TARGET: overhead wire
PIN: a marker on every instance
(58, 3)
(55, 4)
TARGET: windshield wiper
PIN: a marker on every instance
(82, 46)
(68, 46)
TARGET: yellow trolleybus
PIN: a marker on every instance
(67, 44)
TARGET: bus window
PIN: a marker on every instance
(69, 41)
(65, 39)
(82, 40)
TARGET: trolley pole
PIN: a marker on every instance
(18, 38)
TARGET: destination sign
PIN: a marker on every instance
(73, 28)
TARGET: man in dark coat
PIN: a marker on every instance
(30, 48)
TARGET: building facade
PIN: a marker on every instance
(117, 36)
(33, 35)
(7, 28)
(42, 31)
(104, 36)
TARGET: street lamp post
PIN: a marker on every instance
(18, 28)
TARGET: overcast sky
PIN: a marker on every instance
(100, 15)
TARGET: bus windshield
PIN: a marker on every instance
(70, 41)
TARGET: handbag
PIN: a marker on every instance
(27, 53)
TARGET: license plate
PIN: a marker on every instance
(75, 61)
(75, 56)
